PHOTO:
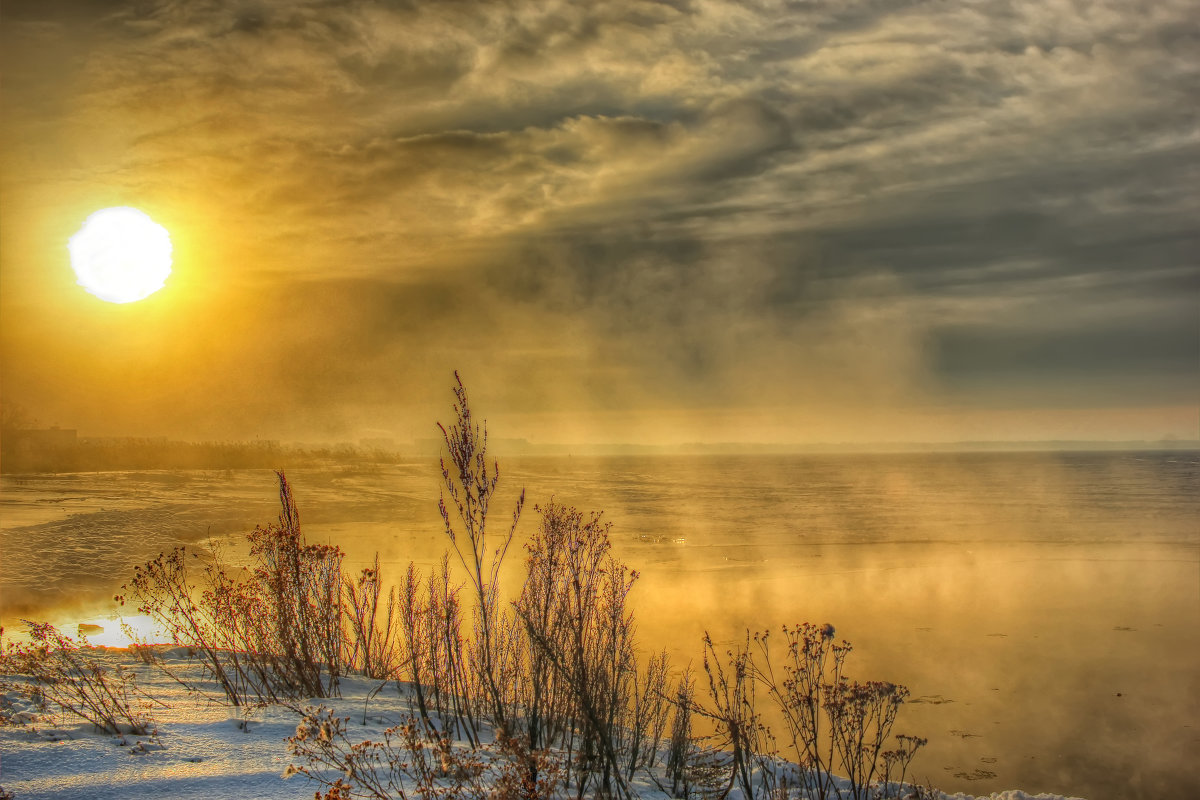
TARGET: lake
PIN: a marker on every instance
(1044, 609)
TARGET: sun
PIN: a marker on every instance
(121, 255)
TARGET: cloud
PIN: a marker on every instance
(699, 203)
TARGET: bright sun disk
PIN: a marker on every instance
(121, 255)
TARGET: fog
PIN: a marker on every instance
(1042, 608)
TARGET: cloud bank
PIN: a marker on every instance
(668, 220)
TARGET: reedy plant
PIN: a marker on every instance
(470, 486)
(371, 646)
(415, 638)
(434, 656)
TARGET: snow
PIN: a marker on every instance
(200, 748)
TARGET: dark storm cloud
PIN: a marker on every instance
(729, 202)
(1164, 343)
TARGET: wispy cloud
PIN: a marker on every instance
(661, 204)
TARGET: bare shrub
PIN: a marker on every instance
(896, 763)
(267, 633)
(60, 672)
(834, 723)
(166, 591)
(528, 774)
(680, 744)
(707, 772)
(410, 761)
(861, 716)
(647, 716)
(810, 662)
(434, 656)
(587, 636)
(555, 676)
(291, 609)
(558, 667)
(739, 727)
(415, 639)
(550, 712)
(413, 760)
(371, 646)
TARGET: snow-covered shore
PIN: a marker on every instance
(200, 749)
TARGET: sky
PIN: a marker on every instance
(626, 221)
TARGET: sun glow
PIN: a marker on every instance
(118, 631)
(121, 255)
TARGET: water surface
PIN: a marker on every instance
(1043, 609)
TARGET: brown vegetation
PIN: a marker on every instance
(58, 673)
(547, 695)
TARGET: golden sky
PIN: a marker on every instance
(622, 221)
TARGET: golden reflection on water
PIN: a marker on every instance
(119, 630)
(1030, 666)
(1044, 612)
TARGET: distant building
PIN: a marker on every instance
(40, 440)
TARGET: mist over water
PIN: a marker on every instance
(1044, 609)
